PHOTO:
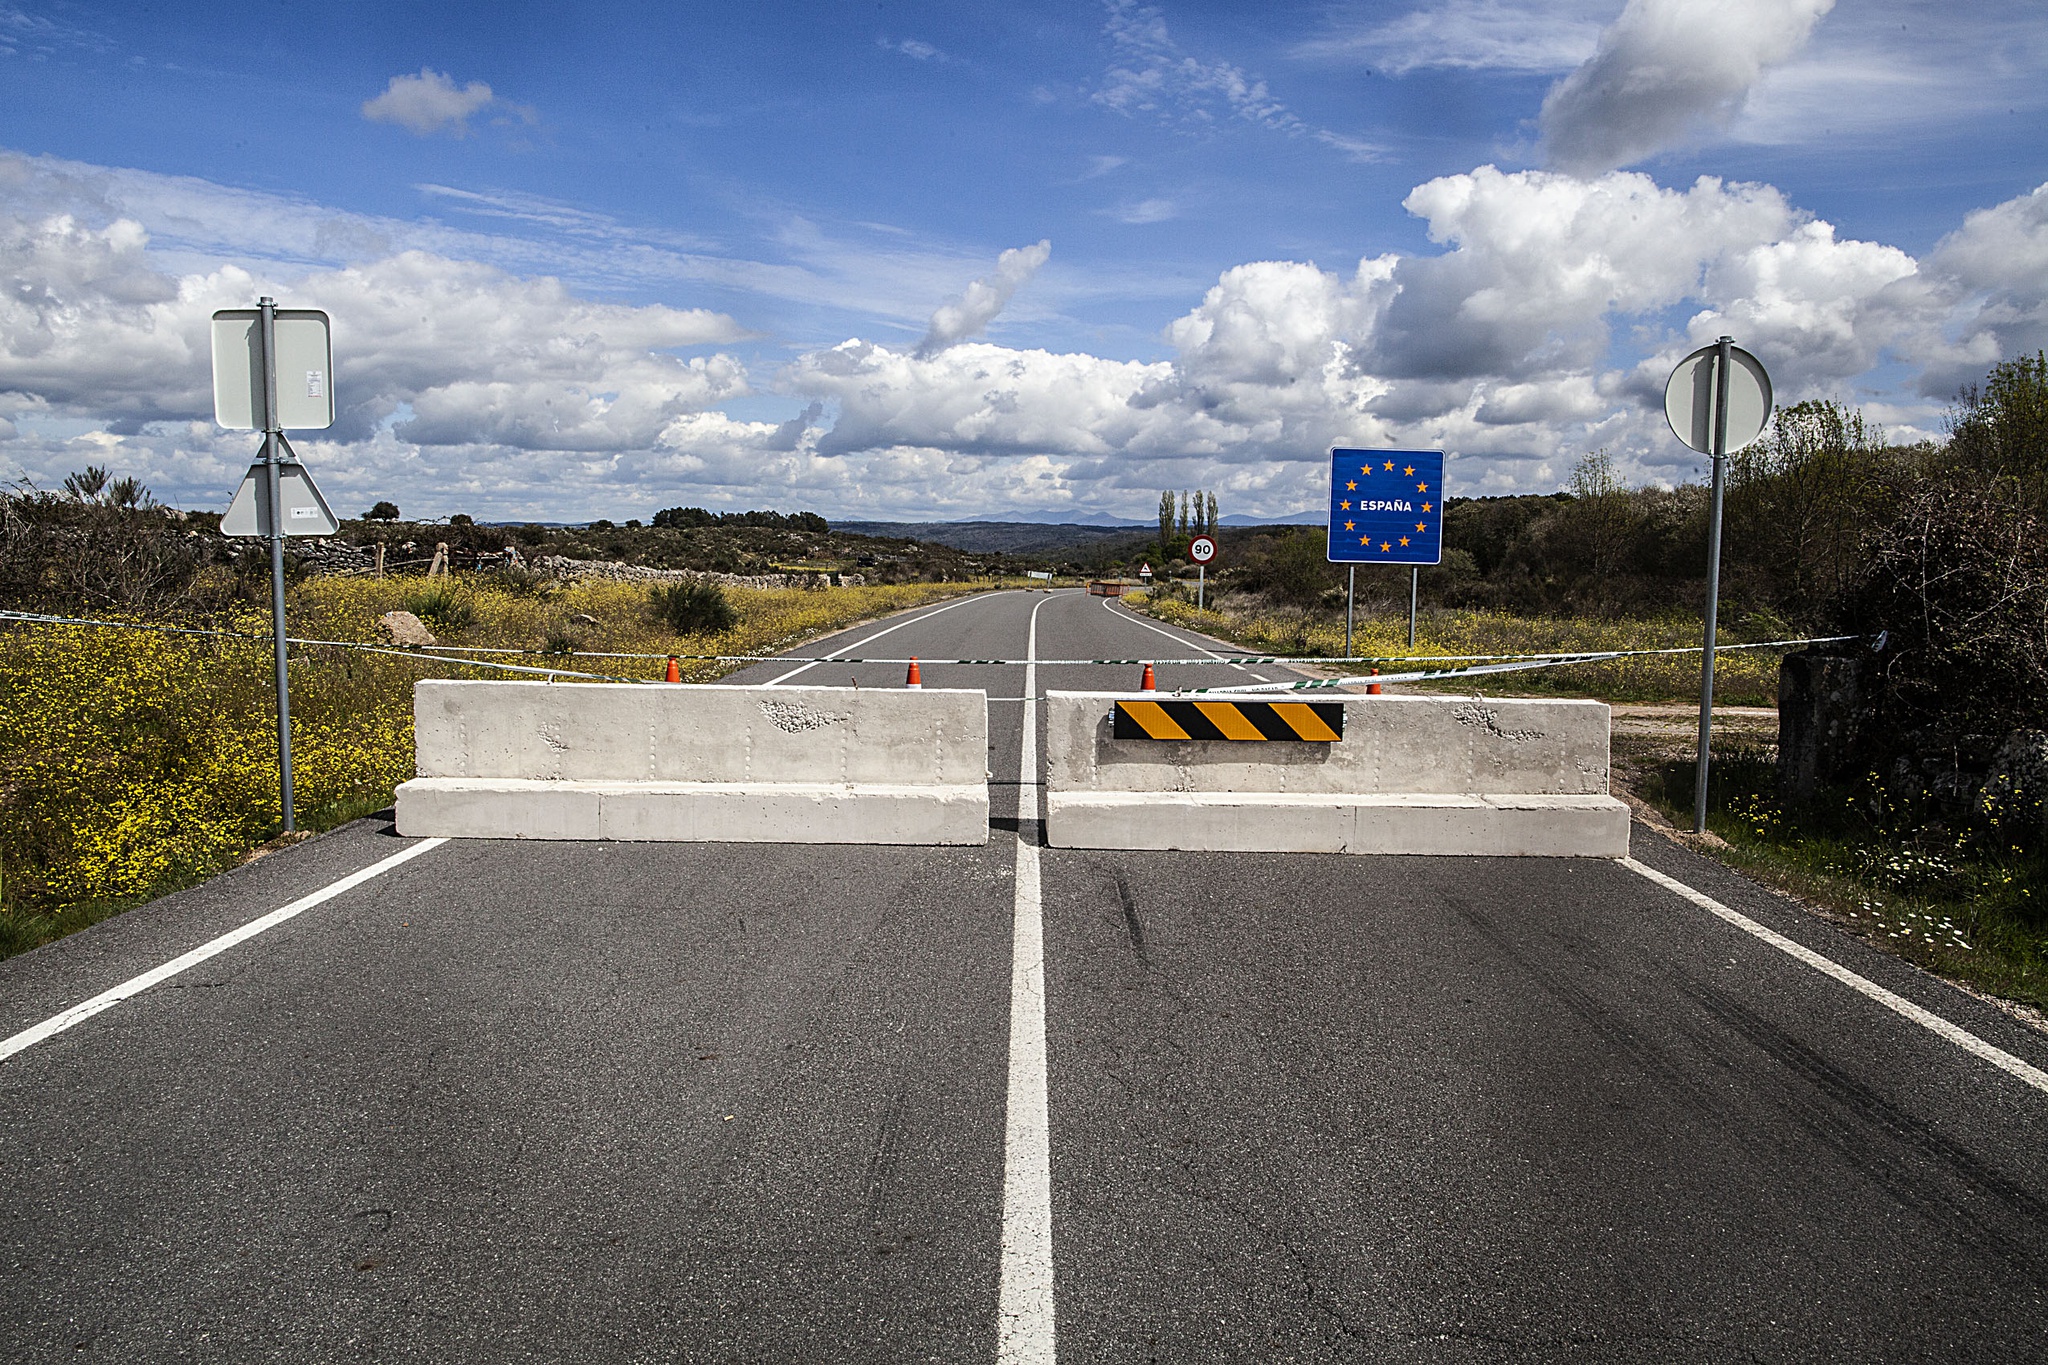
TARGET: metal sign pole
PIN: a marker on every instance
(1699, 793)
(1414, 585)
(1201, 585)
(273, 455)
(1350, 597)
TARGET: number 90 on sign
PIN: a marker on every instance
(1201, 550)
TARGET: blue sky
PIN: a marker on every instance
(920, 260)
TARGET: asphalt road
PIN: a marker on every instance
(613, 1102)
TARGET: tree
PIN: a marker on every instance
(1211, 518)
(1181, 525)
(2000, 427)
(1297, 567)
(1601, 513)
(1801, 499)
(1165, 524)
(1958, 578)
(383, 511)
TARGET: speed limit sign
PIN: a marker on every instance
(1201, 549)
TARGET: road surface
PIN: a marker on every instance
(557, 1102)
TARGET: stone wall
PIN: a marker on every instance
(612, 570)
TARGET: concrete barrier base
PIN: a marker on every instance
(730, 812)
(1537, 825)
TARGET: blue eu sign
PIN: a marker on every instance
(1387, 506)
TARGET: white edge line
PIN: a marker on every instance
(925, 616)
(107, 999)
(1108, 605)
(1898, 1004)
(1024, 1311)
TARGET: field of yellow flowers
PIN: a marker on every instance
(133, 763)
(1741, 678)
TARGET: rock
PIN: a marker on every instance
(405, 630)
(1823, 715)
(582, 618)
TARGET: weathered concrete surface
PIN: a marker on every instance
(1413, 774)
(747, 764)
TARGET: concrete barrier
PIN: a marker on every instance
(824, 765)
(1412, 774)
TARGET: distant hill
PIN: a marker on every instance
(1288, 519)
(1032, 537)
(1001, 537)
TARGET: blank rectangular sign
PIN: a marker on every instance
(305, 369)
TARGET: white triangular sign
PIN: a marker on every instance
(305, 512)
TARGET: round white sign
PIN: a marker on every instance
(1689, 399)
(1201, 549)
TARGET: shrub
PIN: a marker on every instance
(104, 545)
(446, 608)
(1959, 580)
(697, 607)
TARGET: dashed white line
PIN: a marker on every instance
(1898, 1004)
(107, 999)
(1024, 1323)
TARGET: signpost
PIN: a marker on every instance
(273, 368)
(1386, 507)
(1201, 549)
(1718, 400)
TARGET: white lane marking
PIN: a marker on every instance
(1898, 1004)
(107, 999)
(1024, 1322)
(1128, 615)
(974, 597)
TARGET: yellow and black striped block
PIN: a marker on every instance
(1318, 722)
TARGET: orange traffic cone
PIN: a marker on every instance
(1148, 683)
(1373, 689)
(675, 671)
(913, 678)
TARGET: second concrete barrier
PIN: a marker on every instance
(1411, 774)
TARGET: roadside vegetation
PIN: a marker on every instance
(1963, 899)
(1749, 678)
(133, 763)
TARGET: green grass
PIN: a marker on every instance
(1964, 901)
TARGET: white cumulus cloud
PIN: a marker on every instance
(429, 103)
(1540, 323)
(977, 306)
(1664, 70)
